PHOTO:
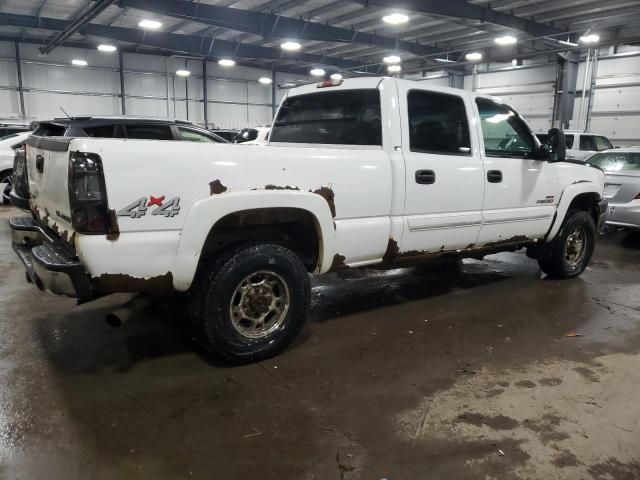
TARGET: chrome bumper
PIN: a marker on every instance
(49, 263)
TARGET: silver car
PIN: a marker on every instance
(622, 185)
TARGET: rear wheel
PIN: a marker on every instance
(573, 246)
(6, 184)
(251, 303)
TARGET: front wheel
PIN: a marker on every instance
(251, 303)
(572, 248)
(6, 184)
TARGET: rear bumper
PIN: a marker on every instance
(49, 263)
(625, 215)
(603, 213)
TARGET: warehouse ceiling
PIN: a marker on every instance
(346, 35)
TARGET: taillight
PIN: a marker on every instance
(88, 194)
(20, 177)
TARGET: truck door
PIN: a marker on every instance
(444, 173)
(520, 192)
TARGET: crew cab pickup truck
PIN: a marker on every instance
(375, 172)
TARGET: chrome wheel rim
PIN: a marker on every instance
(8, 185)
(259, 304)
(575, 247)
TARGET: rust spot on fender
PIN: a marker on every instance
(118, 282)
(216, 187)
(329, 196)
(114, 229)
(392, 251)
(508, 241)
(338, 263)
(280, 187)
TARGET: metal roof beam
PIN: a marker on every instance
(462, 9)
(83, 18)
(191, 44)
(271, 25)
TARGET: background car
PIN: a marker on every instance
(622, 185)
(253, 136)
(581, 145)
(8, 129)
(106, 127)
(8, 146)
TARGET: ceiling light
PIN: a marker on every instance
(226, 62)
(567, 42)
(394, 68)
(392, 59)
(317, 72)
(505, 40)
(395, 19)
(183, 73)
(265, 80)
(473, 56)
(150, 24)
(290, 46)
(336, 76)
(107, 48)
(79, 63)
(591, 38)
(444, 60)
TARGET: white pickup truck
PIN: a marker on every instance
(375, 172)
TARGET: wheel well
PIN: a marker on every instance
(587, 202)
(293, 228)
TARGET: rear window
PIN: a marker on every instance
(50, 130)
(569, 141)
(349, 117)
(616, 161)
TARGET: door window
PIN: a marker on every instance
(149, 132)
(189, 135)
(505, 134)
(438, 123)
(602, 143)
(587, 142)
(347, 117)
(102, 131)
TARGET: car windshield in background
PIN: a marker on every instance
(338, 118)
(616, 161)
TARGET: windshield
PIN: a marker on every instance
(616, 161)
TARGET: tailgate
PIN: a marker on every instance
(48, 173)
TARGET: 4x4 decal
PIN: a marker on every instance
(139, 208)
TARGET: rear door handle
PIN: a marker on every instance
(494, 176)
(425, 177)
(40, 163)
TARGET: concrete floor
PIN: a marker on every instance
(404, 374)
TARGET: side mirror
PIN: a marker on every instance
(556, 147)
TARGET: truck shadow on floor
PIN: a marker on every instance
(80, 341)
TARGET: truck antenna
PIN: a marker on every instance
(63, 111)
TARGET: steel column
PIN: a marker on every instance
(123, 106)
(19, 72)
(205, 111)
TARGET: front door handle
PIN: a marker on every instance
(494, 176)
(425, 177)
(40, 163)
